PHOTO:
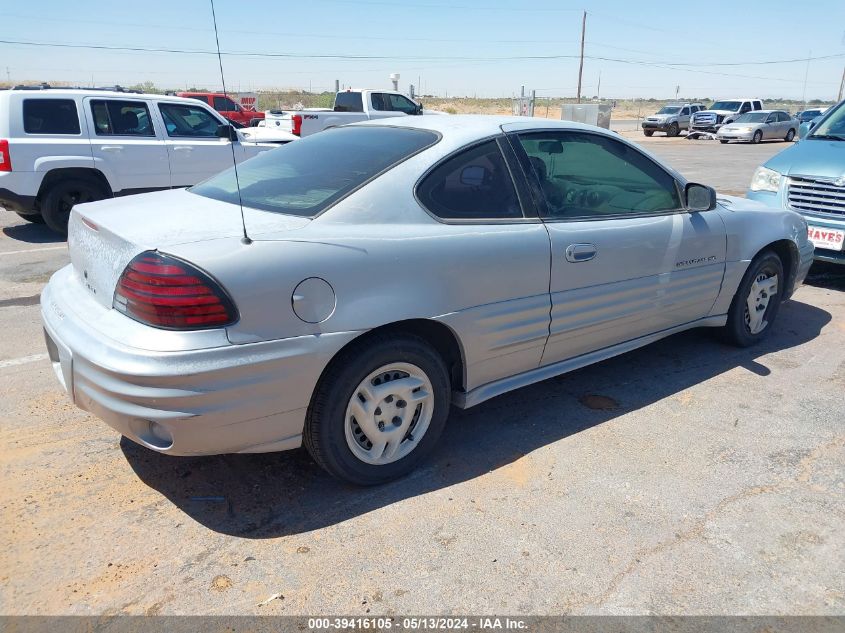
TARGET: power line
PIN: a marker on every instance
(346, 56)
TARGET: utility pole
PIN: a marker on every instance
(598, 89)
(581, 66)
(806, 72)
(841, 86)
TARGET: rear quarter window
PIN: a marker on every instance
(308, 176)
(50, 116)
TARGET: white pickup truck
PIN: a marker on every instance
(349, 106)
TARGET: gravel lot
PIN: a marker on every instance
(686, 477)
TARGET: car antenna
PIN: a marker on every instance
(245, 239)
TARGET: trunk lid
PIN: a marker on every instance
(104, 236)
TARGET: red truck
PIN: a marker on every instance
(230, 110)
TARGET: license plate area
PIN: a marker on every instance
(823, 237)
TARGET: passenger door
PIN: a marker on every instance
(380, 102)
(126, 144)
(193, 147)
(492, 252)
(683, 118)
(627, 259)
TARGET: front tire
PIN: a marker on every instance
(61, 198)
(723, 142)
(758, 136)
(757, 301)
(378, 410)
(790, 135)
(648, 132)
(673, 130)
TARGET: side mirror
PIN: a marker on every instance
(699, 197)
(227, 131)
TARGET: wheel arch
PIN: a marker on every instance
(437, 334)
(789, 257)
(63, 173)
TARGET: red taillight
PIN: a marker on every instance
(296, 124)
(165, 292)
(5, 159)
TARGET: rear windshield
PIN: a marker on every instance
(348, 102)
(50, 116)
(307, 176)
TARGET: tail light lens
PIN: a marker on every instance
(165, 292)
(5, 158)
(296, 124)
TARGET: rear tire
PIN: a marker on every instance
(758, 136)
(790, 135)
(762, 287)
(648, 132)
(399, 424)
(62, 196)
(723, 142)
(35, 218)
(673, 130)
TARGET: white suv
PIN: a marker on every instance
(62, 146)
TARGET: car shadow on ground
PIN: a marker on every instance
(277, 494)
(32, 233)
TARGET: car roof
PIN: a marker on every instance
(478, 125)
(52, 93)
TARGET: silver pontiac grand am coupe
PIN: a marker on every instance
(359, 282)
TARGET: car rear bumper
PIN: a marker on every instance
(229, 399)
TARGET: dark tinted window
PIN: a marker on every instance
(188, 120)
(594, 176)
(50, 116)
(379, 102)
(348, 102)
(306, 177)
(402, 104)
(474, 185)
(224, 104)
(121, 118)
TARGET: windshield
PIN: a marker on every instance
(669, 110)
(733, 106)
(833, 126)
(752, 117)
(307, 176)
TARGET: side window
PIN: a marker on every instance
(348, 102)
(746, 107)
(121, 118)
(684, 111)
(586, 175)
(757, 105)
(783, 116)
(187, 120)
(473, 185)
(224, 104)
(402, 104)
(50, 116)
(378, 102)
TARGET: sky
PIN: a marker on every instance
(484, 48)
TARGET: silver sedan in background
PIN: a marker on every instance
(763, 125)
(345, 290)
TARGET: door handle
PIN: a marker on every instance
(112, 148)
(580, 252)
(182, 148)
